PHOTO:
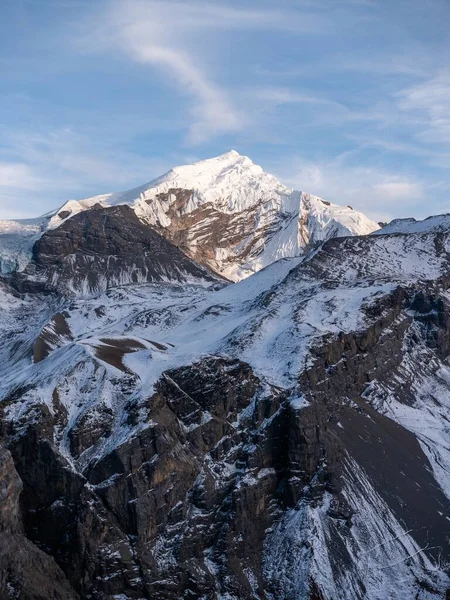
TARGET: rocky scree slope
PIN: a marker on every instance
(226, 213)
(284, 437)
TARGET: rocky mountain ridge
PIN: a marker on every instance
(283, 437)
(106, 247)
(167, 434)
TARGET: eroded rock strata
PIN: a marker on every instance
(286, 437)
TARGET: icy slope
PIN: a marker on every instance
(228, 213)
(16, 242)
(434, 223)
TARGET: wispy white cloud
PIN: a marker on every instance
(194, 15)
(278, 95)
(160, 34)
(69, 158)
(334, 78)
(212, 112)
(379, 193)
(398, 189)
(168, 36)
(60, 164)
(428, 106)
(18, 175)
(381, 64)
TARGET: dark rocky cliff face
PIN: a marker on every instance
(186, 507)
(204, 477)
(151, 518)
(103, 247)
(26, 571)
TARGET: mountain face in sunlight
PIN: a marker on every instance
(226, 213)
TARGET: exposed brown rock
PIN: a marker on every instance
(103, 247)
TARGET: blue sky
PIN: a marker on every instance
(346, 99)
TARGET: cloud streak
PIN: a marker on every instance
(212, 112)
(428, 105)
(381, 194)
(167, 36)
(349, 97)
(60, 164)
(157, 34)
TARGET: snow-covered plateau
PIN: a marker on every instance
(168, 434)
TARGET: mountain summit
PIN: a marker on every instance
(230, 215)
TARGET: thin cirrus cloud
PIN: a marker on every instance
(62, 164)
(18, 175)
(429, 104)
(164, 35)
(346, 99)
(212, 113)
(370, 189)
(155, 33)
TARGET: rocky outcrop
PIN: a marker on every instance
(193, 492)
(347, 425)
(215, 238)
(184, 507)
(26, 571)
(105, 247)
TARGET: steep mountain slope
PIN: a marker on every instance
(434, 223)
(284, 437)
(105, 247)
(228, 214)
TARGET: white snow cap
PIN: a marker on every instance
(231, 182)
(272, 220)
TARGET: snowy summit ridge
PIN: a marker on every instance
(231, 215)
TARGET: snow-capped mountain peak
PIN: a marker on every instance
(229, 214)
(209, 170)
(231, 181)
